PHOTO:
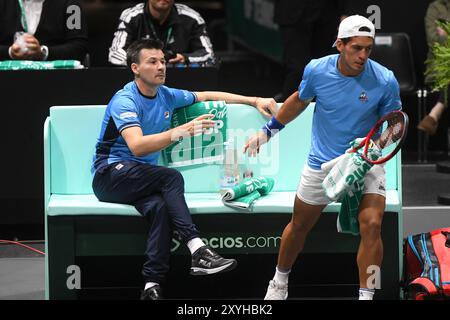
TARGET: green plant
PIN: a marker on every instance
(439, 66)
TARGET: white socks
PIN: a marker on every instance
(366, 294)
(150, 284)
(194, 244)
(281, 276)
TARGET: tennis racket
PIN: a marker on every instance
(387, 135)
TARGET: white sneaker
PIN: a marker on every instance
(276, 291)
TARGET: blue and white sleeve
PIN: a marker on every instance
(306, 90)
(124, 114)
(182, 98)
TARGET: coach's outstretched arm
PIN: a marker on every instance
(290, 109)
(266, 106)
(141, 145)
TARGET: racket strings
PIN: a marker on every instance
(386, 138)
(392, 133)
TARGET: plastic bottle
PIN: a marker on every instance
(230, 176)
(248, 173)
(19, 39)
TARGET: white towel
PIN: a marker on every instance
(346, 172)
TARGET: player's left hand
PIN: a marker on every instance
(178, 59)
(255, 142)
(267, 106)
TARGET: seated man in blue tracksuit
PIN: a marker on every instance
(125, 169)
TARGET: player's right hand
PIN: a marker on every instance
(254, 143)
(196, 126)
(32, 50)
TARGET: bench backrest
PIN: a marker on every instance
(72, 131)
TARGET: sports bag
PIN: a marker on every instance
(427, 265)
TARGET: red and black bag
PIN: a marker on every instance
(427, 265)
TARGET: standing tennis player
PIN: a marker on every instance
(352, 92)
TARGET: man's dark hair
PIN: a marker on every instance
(135, 48)
(347, 40)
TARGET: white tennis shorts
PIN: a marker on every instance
(310, 187)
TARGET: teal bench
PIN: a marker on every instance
(79, 227)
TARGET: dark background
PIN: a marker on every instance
(396, 16)
(242, 70)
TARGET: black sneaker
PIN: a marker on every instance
(206, 261)
(153, 293)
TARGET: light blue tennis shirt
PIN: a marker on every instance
(129, 108)
(346, 107)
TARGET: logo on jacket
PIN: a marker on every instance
(363, 97)
(166, 114)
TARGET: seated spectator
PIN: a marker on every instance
(438, 10)
(180, 28)
(42, 30)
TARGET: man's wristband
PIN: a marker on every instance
(272, 127)
(44, 50)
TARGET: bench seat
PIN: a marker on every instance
(198, 203)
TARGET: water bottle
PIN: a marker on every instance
(230, 176)
(19, 39)
(248, 173)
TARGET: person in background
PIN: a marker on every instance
(438, 10)
(42, 30)
(180, 28)
(307, 28)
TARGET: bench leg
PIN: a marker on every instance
(61, 255)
